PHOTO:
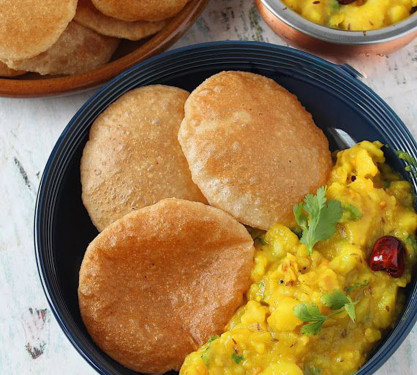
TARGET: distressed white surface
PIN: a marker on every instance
(30, 128)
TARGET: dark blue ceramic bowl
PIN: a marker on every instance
(342, 106)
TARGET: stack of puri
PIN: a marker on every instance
(170, 179)
(65, 37)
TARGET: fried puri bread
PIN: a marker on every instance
(78, 50)
(140, 10)
(252, 148)
(30, 27)
(88, 16)
(157, 283)
(5, 71)
(133, 158)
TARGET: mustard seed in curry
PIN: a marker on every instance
(315, 305)
(359, 15)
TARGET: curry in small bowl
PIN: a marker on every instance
(355, 15)
(343, 28)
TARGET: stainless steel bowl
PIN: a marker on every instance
(309, 35)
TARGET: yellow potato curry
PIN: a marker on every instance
(322, 310)
(353, 15)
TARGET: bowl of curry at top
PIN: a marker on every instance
(343, 27)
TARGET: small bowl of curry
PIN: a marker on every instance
(343, 27)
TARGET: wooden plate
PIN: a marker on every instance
(128, 54)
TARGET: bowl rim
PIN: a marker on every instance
(336, 36)
(378, 358)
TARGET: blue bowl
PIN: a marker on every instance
(345, 108)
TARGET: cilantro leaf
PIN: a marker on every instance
(237, 358)
(299, 215)
(350, 309)
(351, 212)
(329, 217)
(314, 203)
(309, 312)
(335, 300)
(322, 218)
(313, 328)
(355, 286)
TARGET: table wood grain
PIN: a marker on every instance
(31, 341)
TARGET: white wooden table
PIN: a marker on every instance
(31, 341)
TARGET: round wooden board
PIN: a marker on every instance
(128, 54)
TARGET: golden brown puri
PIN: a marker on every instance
(157, 283)
(78, 50)
(30, 27)
(88, 16)
(252, 148)
(133, 158)
(140, 10)
(5, 71)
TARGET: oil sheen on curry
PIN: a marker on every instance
(353, 14)
(326, 290)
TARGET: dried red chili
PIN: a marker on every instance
(388, 254)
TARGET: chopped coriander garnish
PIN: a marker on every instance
(410, 160)
(313, 328)
(212, 338)
(350, 309)
(337, 300)
(320, 224)
(351, 212)
(237, 358)
(307, 312)
(204, 355)
(355, 286)
(310, 313)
